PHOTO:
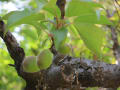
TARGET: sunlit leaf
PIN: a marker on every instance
(92, 19)
(91, 35)
(22, 17)
(5, 17)
(78, 7)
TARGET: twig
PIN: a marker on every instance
(61, 6)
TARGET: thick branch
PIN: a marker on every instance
(15, 51)
(84, 73)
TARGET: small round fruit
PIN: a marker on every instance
(30, 64)
(64, 49)
(44, 59)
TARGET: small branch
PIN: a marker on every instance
(52, 48)
(117, 11)
(12, 65)
(61, 6)
(117, 3)
(16, 52)
(116, 49)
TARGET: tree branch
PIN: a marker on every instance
(61, 6)
(15, 51)
(116, 49)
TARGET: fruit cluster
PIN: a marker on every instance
(39, 62)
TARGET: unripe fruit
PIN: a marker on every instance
(44, 59)
(64, 49)
(30, 64)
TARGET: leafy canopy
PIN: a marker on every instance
(84, 16)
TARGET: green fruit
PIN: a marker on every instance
(30, 64)
(44, 59)
(64, 49)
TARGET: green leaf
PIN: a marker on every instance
(77, 7)
(59, 36)
(52, 8)
(23, 17)
(92, 19)
(91, 35)
(5, 17)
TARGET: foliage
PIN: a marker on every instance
(9, 80)
(83, 29)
